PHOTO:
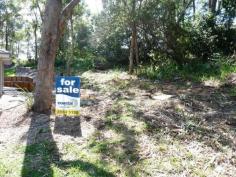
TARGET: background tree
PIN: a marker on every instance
(10, 24)
(180, 31)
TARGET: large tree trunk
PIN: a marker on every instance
(53, 27)
(49, 45)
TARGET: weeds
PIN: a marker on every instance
(197, 72)
(29, 98)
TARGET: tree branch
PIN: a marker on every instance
(182, 14)
(69, 8)
(1, 22)
(39, 8)
(126, 5)
(66, 13)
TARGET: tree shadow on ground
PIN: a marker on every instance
(196, 108)
(197, 112)
(122, 150)
(68, 126)
(42, 153)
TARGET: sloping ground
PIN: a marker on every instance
(26, 72)
(128, 127)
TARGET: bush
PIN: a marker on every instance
(218, 68)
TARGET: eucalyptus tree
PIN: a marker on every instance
(72, 44)
(10, 23)
(36, 23)
(54, 22)
(154, 25)
(125, 14)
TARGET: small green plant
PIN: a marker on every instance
(9, 72)
(3, 169)
(29, 98)
(232, 92)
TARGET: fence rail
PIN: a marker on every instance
(24, 83)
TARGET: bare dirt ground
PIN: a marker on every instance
(128, 127)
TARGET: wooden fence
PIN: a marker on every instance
(24, 83)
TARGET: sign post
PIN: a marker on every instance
(68, 96)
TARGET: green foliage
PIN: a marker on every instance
(232, 92)
(84, 64)
(8, 72)
(196, 71)
(10, 25)
(170, 34)
(25, 63)
(29, 63)
(166, 30)
(82, 61)
(113, 48)
(75, 52)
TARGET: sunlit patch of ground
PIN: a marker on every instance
(212, 83)
(129, 127)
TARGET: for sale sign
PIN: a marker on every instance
(68, 96)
